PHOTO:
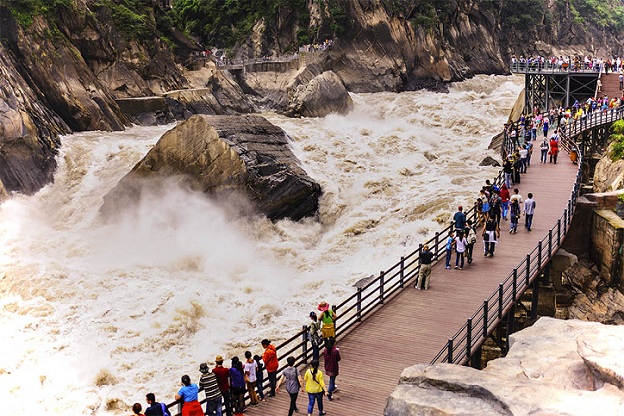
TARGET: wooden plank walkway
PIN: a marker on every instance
(415, 325)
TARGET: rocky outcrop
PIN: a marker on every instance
(226, 156)
(322, 95)
(553, 368)
(609, 174)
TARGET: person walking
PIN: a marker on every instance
(508, 171)
(491, 234)
(271, 364)
(514, 216)
(504, 196)
(249, 368)
(294, 383)
(331, 357)
(223, 381)
(460, 248)
(208, 383)
(471, 236)
(529, 210)
(316, 338)
(188, 396)
(426, 258)
(459, 220)
(544, 151)
(315, 387)
(154, 408)
(450, 245)
(553, 149)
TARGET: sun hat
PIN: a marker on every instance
(203, 367)
(219, 358)
(323, 306)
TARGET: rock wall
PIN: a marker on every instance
(233, 158)
(607, 243)
(553, 368)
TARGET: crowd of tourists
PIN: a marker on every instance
(567, 63)
(226, 387)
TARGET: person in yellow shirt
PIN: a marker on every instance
(315, 387)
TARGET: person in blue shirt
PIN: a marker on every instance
(188, 396)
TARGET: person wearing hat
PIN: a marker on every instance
(223, 382)
(188, 396)
(316, 339)
(426, 258)
(327, 318)
(208, 383)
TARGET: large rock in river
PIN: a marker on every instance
(322, 95)
(227, 156)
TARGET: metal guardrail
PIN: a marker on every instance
(390, 282)
(547, 67)
(478, 327)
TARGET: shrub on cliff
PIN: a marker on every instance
(617, 141)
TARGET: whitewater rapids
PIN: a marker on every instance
(95, 315)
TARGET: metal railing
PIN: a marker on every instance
(381, 288)
(478, 327)
(530, 67)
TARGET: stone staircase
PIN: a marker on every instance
(610, 85)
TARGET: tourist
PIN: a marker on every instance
(514, 216)
(491, 234)
(237, 386)
(485, 207)
(136, 409)
(188, 396)
(450, 245)
(508, 171)
(544, 151)
(529, 210)
(271, 364)
(523, 158)
(315, 336)
(504, 196)
(459, 219)
(553, 149)
(223, 381)
(495, 206)
(315, 387)
(327, 318)
(471, 236)
(426, 258)
(259, 377)
(294, 383)
(517, 168)
(516, 196)
(250, 378)
(331, 357)
(154, 408)
(460, 247)
(208, 383)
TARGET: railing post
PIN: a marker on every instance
(335, 309)
(500, 301)
(528, 269)
(468, 338)
(565, 219)
(559, 232)
(449, 356)
(485, 318)
(304, 345)
(437, 242)
(402, 275)
(539, 256)
(382, 276)
(515, 284)
(359, 304)
(550, 247)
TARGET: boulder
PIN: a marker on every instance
(227, 156)
(608, 175)
(489, 161)
(323, 95)
(554, 367)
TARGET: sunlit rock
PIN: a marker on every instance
(554, 367)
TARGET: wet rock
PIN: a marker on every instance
(489, 161)
(322, 95)
(226, 156)
(546, 372)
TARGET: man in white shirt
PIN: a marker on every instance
(529, 210)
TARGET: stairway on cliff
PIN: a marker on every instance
(610, 85)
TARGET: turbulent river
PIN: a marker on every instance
(94, 315)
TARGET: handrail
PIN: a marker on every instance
(460, 347)
(391, 281)
(531, 67)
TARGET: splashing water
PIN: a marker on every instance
(96, 315)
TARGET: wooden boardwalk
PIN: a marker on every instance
(415, 325)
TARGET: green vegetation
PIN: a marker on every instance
(605, 14)
(617, 141)
(523, 14)
(24, 11)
